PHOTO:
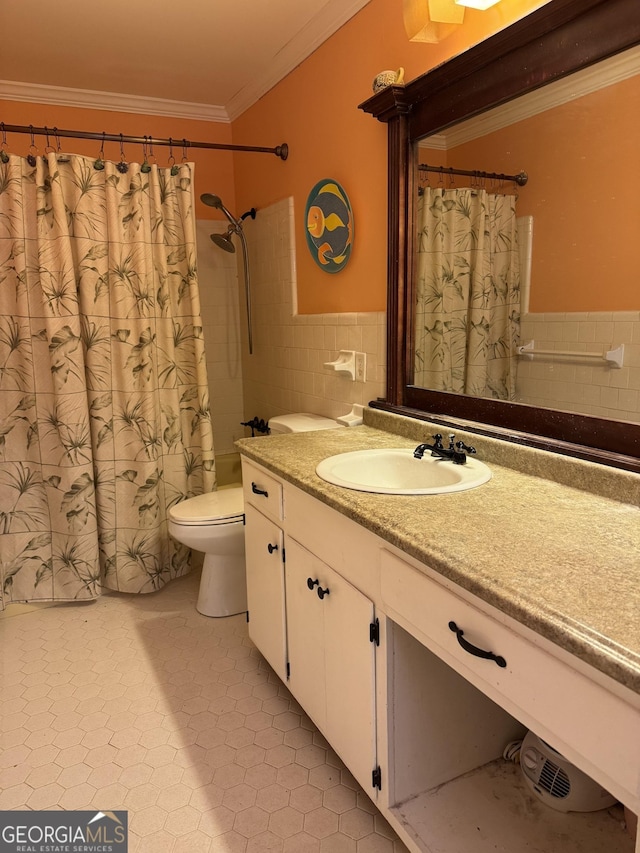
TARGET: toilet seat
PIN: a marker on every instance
(225, 506)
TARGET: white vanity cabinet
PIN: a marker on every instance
(332, 657)
(420, 711)
(264, 550)
(316, 629)
(588, 724)
(449, 785)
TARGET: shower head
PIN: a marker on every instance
(211, 200)
(223, 241)
(215, 201)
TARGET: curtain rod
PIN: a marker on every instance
(521, 178)
(281, 151)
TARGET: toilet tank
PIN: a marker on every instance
(300, 422)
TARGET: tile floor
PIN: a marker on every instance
(140, 703)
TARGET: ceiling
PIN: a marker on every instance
(205, 59)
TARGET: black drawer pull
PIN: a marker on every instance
(474, 650)
(312, 583)
(257, 491)
(322, 592)
(271, 548)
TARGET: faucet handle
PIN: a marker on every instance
(462, 446)
(438, 440)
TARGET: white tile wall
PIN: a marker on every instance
(218, 282)
(587, 386)
(286, 372)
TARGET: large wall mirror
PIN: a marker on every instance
(514, 306)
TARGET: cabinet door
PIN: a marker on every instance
(265, 588)
(305, 631)
(350, 677)
(331, 657)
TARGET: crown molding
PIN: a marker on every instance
(599, 76)
(334, 15)
(36, 93)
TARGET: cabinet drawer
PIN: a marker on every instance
(591, 726)
(338, 541)
(262, 490)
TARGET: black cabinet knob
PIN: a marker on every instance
(312, 583)
(322, 592)
(271, 548)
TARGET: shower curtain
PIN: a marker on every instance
(468, 292)
(104, 410)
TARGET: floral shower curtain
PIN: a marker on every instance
(468, 292)
(104, 410)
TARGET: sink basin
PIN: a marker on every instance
(398, 472)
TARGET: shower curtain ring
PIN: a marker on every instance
(184, 150)
(31, 157)
(145, 164)
(61, 157)
(172, 159)
(48, 148)
(4, 157)
(122, 166)
(99, 163)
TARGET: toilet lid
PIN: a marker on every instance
(301, 422)
(213, 508)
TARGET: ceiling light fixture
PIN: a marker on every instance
(477, 4)
(431, 20)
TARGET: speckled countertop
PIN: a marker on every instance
(558, 558)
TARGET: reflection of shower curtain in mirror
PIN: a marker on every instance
(104, 410)
(467, 292)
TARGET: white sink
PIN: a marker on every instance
(398, 472)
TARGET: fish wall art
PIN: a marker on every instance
(329, 225)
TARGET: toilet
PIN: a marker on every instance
(214, 524)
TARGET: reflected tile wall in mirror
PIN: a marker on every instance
(582, 385)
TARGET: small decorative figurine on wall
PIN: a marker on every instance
(329, 225)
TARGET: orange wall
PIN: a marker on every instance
(584, 202)
(315, 110)
(214, 169)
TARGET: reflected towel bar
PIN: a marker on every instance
(614, 357)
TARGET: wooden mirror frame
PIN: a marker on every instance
(561, 37)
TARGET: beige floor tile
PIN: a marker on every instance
(140, 703)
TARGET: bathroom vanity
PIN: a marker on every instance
(352, 597)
